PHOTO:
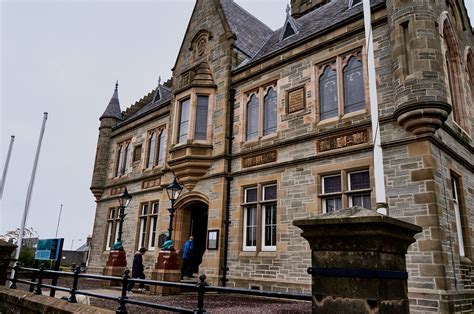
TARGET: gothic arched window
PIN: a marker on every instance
(328, 93)
(151, 150)
(354, 96)
(270, 112)
(252, 118)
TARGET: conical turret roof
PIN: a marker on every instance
(113, 109)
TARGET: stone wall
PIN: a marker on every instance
(18, 301)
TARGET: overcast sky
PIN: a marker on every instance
(63, 57)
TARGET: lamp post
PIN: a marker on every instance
(124, 200)
(173, 190)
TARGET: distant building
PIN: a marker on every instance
(263, 127)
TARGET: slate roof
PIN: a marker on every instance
(113, 108)
(312, 23)
(251, 32)
(147, 104)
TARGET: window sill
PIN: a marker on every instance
(248, 254)
(346, 116)
(272, 253)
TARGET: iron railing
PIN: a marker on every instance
(36, 285)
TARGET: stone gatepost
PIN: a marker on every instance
(115, 266)
(6, 250)
(358, 261)
(166, 269)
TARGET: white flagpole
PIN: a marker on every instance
(7, 161)
(382, 206)
(59, 219)
(30, 190)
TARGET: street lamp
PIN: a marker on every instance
(124, 200)
(173, 190)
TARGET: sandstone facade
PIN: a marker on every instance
(229, 64)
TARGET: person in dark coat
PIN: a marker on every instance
(137, 270)
(188, 254)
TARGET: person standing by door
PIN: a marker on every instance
(138, 270)
(188, 255)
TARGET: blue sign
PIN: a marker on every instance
(48, 249)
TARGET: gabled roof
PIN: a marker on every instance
(322, 18)
(113, 108)
(251, 33)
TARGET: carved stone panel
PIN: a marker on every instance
(260, 159)
(344, 140)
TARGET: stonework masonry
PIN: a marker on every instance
(229, 61)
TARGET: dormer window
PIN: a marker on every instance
(157, 95)
(353, 3)
(290, 28)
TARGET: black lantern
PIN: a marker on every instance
(173, 190)
(124, 201)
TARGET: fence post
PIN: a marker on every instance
(123, 297)
(201, 288)
(72, 298)
(15, 275)
(40, 280)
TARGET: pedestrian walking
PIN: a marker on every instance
(138, 270)
(188, 255)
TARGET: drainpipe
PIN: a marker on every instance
(229, 179)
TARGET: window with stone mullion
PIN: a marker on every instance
(183, 123)
(252, 118)
(354, 96)
(332, 185)
(359, 180)
(112, 228)
(270, 112)
(200, 129)
(328, 99)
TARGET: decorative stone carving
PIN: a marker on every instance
(190, 162)
(341, 141)
(423, 117)
(259, 159)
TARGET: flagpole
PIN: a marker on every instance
(7, 161)
(30, 190)
(382, 206)
(59, 219)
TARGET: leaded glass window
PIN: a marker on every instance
(328, 93)
(252, 117)
(270, 112)
(354, 95)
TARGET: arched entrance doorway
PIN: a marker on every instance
(195, 215)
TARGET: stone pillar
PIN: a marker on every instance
(6, 250)
(358, 261)
(166, 269)
(115, 266)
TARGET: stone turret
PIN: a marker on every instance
(420, 94)
(111, 116)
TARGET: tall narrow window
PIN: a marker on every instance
(250, 219)
(470, 74)
(183, 124)
(125, 158)
(200, 129)
(407, 48)
(270, 112)
(457, 214)
(118, 162)
(161, 147)
(143, 225)
(151, 149)
(252, 117)
(359, 188)
(269, 215)
(328, 93)
(153, 225)
(332, 193)
(354, 96)
(112, 228)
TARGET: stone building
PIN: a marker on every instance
(263, 127)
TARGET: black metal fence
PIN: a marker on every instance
(36, 285)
